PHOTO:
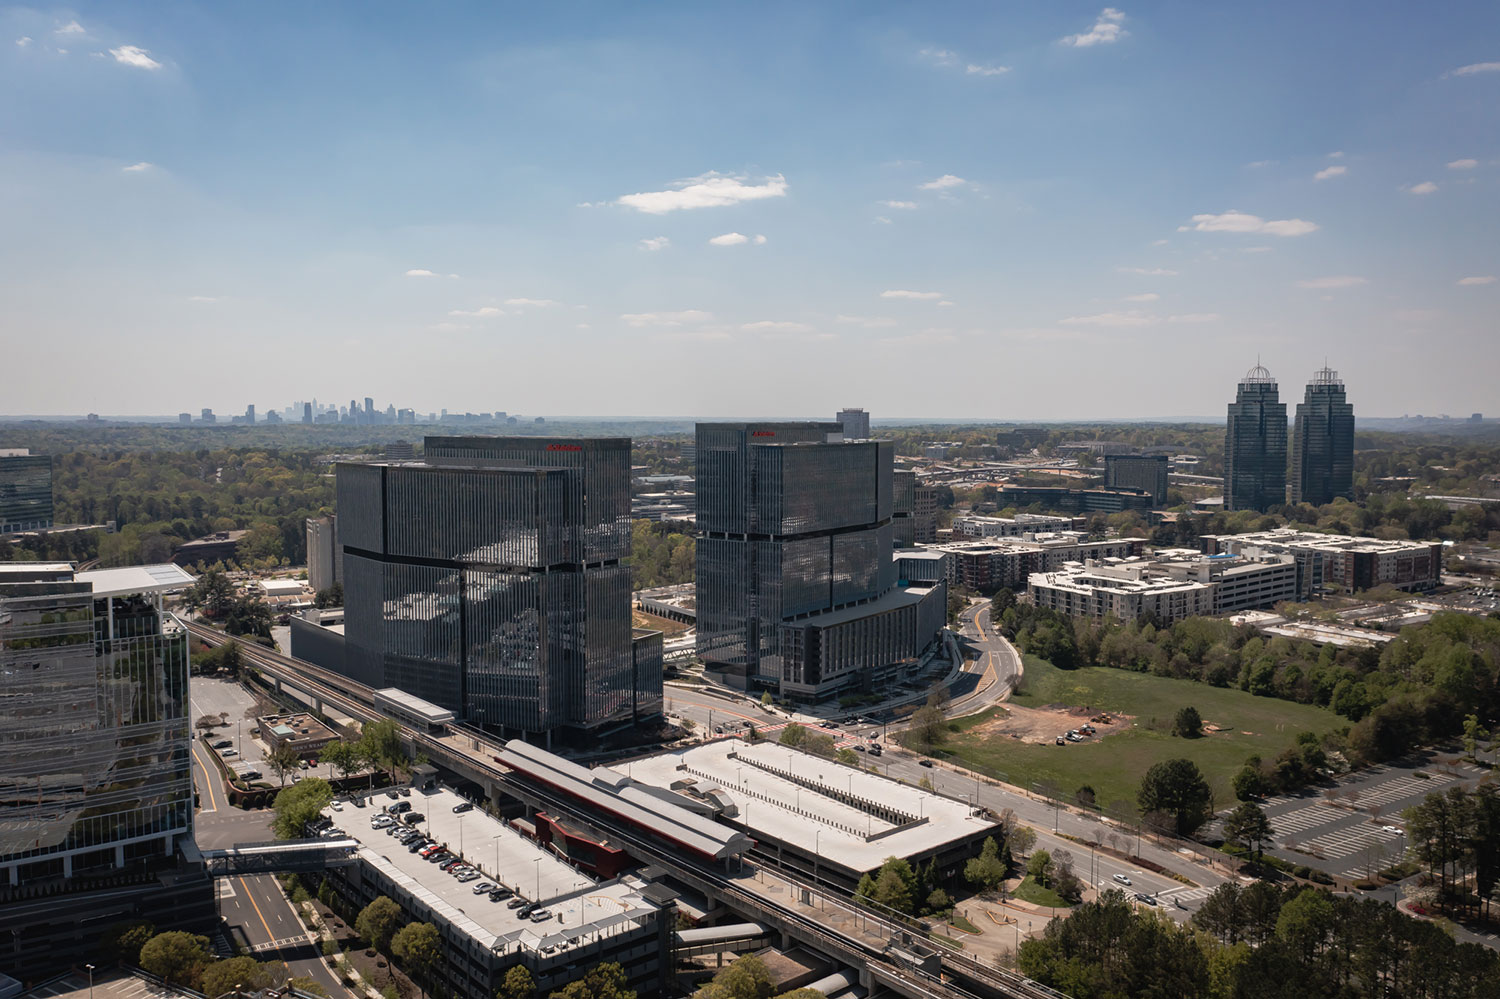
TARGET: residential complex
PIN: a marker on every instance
(796, 589)
(988, 565)
(1338, 559)
(489, 579)
(1010, 527)
(1323, 443)
(25, 491)
(1146, 472)
(94, 738)
(1169, 587)
(1255, 445)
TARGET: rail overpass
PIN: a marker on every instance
(895, 955)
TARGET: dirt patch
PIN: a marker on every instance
(1043, 725)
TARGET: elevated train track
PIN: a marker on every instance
(887, 965)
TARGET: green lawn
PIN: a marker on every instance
(1029, 891)
(1113, 765)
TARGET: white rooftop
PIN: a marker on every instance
(580, 906)
(774, 807)
(137, 579)
(281, 587)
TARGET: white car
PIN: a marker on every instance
(338, 806)
(1392, 829)
(1122, 879)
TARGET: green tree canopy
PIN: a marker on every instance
(298, 805)
(1248, 826)
(746, 977)
(1176, 789)
(420, 950)
(123, 941)
(793, 735)
(234, 973)
(178, 958)
(602, 981)
(1188, 724)
(518, 984)
(376, 923)
(380, 742)
(986, 871)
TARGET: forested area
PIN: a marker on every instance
(661, 554)
(1257, 942)
(1423, 686)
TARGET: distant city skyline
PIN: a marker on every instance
(1050, 211)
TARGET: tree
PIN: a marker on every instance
(1085, 796)
(986, 872)
(1176, 789)
(344, 756)
(249, 616)
(298, 805)
(1248, 826)
(418, 947)
(176, 957)
(283, 760)
(1248, 782)
(1039, 867)
(793, 735)
(745, 978)
(376, 923)
(818, 744)
(602, 981)
(234, 974)
(765, 699)
(1022, 839)
(333, 596)
(213, 593)
(380, 743)
(1473, 732)
(846, 756)
(305, 983)
(927, 727)
(518, 984)
(122, 942)
(893, 885)
(1188, 724)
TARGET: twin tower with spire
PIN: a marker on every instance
(1255, 444)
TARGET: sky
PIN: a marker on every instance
(1044, 210)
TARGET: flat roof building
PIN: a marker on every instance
(986, 566)
(25, 491)
(856, 423)
(1169, 586)
(324, 557)
(1010, 527)
(1138, 471)
(1354, 563)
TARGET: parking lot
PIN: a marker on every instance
(213, 696)
(1355, 828)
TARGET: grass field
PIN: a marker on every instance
(1029, 891)
(1113, 766)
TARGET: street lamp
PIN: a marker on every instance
(538, 896)
(817, 833)
(90, 968)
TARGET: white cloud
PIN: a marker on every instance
(1426, 187)
(907, 205)
(730, 239)
(1464, 164)
(922, 296)
(131, 55)
(1195, 317)
(1336, 156)
(975, 69)
(1149, 296)
(483, 312)
(421, 272)
(882, 220)
(709, 190)
(71, 28)
(1477, 67)
(531, 303)
(945, 304)
(1232, 221)
(655, 243)
(639, 319)
(1483, 279)
(23, 41)
(944, 182)
(942, 57)
(868, 322)
(1108, 29)
(760, 241)
(1333, 171)
(141, 167)
(1258, 164)
(1131, 318)
(203, 298)
(1147, 271)
(1333, 281)
(775, 326)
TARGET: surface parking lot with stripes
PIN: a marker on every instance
(1357, 828)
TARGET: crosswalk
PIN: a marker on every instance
(284, 942)
(1186, 894)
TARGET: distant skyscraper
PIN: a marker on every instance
(307, 412)
(1138, 471)
(856, 423)
(25, 490)
(1323, 443)
(490, 578)
(1255, 445)
(250, 413)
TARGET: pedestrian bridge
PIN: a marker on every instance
(286, 856)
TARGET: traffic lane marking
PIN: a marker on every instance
(208, 780)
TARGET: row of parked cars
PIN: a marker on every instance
(398, 821)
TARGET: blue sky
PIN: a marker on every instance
(1043, 211)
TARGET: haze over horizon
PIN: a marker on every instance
(595, 209)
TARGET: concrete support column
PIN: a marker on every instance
(15, 875)
(67, 865)
(277, 681)
(119, 856)
(318, 705)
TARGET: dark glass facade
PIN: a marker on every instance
(1138, 471)
(94, 767)
(25, 492)
(1323, 443)
(488, 579)
(1255, 445)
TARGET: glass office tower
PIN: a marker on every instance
(793, 521)
(1255, 445)
(1323, 442)
(25, 491)
(489, 578)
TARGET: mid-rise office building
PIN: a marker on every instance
(795, 584)
(1010, 527)
(489, 578)
(1255, 445)
(924, 513)
(1075, 500)
(856, 423)
(25, 491)
(1170, 586)
(323, 554)
(1351, 562)
(1323, 442)
(1138, 471)
(96, 791)
(988, 565)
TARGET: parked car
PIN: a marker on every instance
(874, 749)
(499, 892)
(858, 748)
(412, 818)
(483, 887)
(1061, 741)
(463, 807)
(359, 802)
(541, 915)
(392, 793)
(381, 821)
(1122, 879)
(1141, 896)
(230, 752)
(924, 763)
(406, 792)
(223, 744)
(516, 903)
(338, 806)
(468, 876)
